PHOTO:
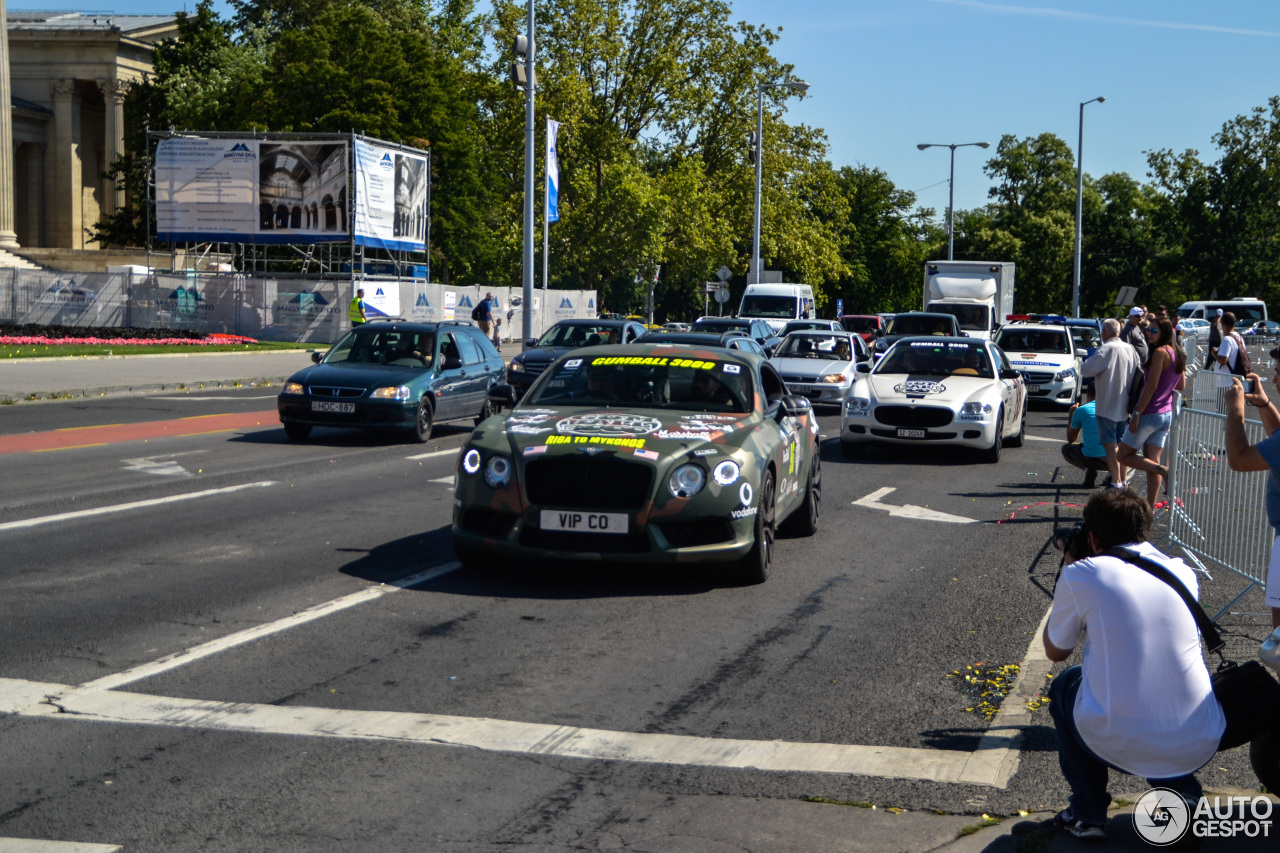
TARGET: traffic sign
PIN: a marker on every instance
(723, 273)
(839, 308)
(722, 294)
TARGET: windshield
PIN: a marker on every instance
(719, 326)
(579, 335)
(919, 325)
(674, 382)
(970, 317)
(940, 359)
(759, 305)
(384, 345)
(826, 347)
(1084, 336)
(1034, 340)
(860, 324)
(801, 325)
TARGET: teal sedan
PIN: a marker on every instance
(394, 375)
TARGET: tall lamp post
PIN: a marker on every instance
(951, 200)
(795, 86)
(1075, 275)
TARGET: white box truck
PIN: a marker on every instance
(978, 293)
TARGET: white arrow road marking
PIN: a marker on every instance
(918, 513)
(162, 466)
(35, 845)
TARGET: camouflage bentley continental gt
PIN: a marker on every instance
(642, 454)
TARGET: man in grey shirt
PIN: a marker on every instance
(1112, 368)
(1134, 336)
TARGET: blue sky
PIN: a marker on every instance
(888, 74)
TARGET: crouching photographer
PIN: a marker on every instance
(1142, 700)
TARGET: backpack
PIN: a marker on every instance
(475, 312)
(1243, 366)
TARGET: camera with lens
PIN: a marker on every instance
(1073, 542)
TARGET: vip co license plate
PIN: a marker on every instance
(327, 406)
(911, 433)
(584, 522)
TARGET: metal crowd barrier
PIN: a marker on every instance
(1217, 516)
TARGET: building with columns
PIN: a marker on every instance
(69, 74)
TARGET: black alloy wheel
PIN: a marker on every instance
(1021, 437)
(486, 412)
(992, 454)
(754, 567)
(804, 520)
(424, 422)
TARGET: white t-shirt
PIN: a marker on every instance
(1146, 704)
(1230, 351)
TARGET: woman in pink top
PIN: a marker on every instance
(1152, 417)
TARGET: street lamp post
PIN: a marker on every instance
(951, 198)
(795, 86)
(1075, 275)
(527, 282)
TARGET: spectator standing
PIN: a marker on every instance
(1263, 456)
(1112, 368)
(1215, 339)
(1089, 456)
(355, 311)
(1141, 700)
(484, 315)
(1133, 335)
(1153, 415)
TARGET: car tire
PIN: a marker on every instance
(486, 412)
(1021, 437)
(804, 520)
(992, 454)
(852, 449)
(754, 567)
(1264, 756)
(423, 422)
(297, 432)
(469, 556)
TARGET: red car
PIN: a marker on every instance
(863, 324)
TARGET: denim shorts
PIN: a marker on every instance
(1152, 430)
(1109, 431)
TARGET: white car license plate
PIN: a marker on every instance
(911, 433)
(1033, 389)
(799, 389)
(327, 406)
(584, 522)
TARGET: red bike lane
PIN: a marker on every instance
(93, 436)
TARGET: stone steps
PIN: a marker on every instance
(8, 260)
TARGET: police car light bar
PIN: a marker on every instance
(1055, 319)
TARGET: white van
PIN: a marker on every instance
(777, 304)
(1247, 310)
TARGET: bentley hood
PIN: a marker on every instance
(647, 433)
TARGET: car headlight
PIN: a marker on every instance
(687, 480)
(497, 472)
(727, 473)
(1064, 375)
(833, 377)
(857, 407)
(516, 367)
(471, 462)
(294, 388)
(399, 392)
(975, 411)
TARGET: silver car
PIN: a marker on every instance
(820, 365)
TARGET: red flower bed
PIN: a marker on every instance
(43, 340)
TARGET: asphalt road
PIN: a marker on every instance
(849, 643)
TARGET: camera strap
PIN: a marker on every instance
(1212, 639)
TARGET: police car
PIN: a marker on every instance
(1041, 348)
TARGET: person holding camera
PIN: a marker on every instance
(1141, 700)
(1263, 456)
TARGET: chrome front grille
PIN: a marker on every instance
(1038, 378)
(334, 392)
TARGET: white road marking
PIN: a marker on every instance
(448, 481)
(1031, 437)
(918, 513)
(435, 453)
(108, 510)
(249, 635)
(36, 845)
(162, 465)
(63, 702)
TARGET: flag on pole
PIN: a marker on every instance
(553, 172)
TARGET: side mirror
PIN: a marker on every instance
(502, 396)
(879, 332)
(531, 343)
(792, 406)
(1009, 374)
(315, 357)
(864, 366)
(452, 362)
